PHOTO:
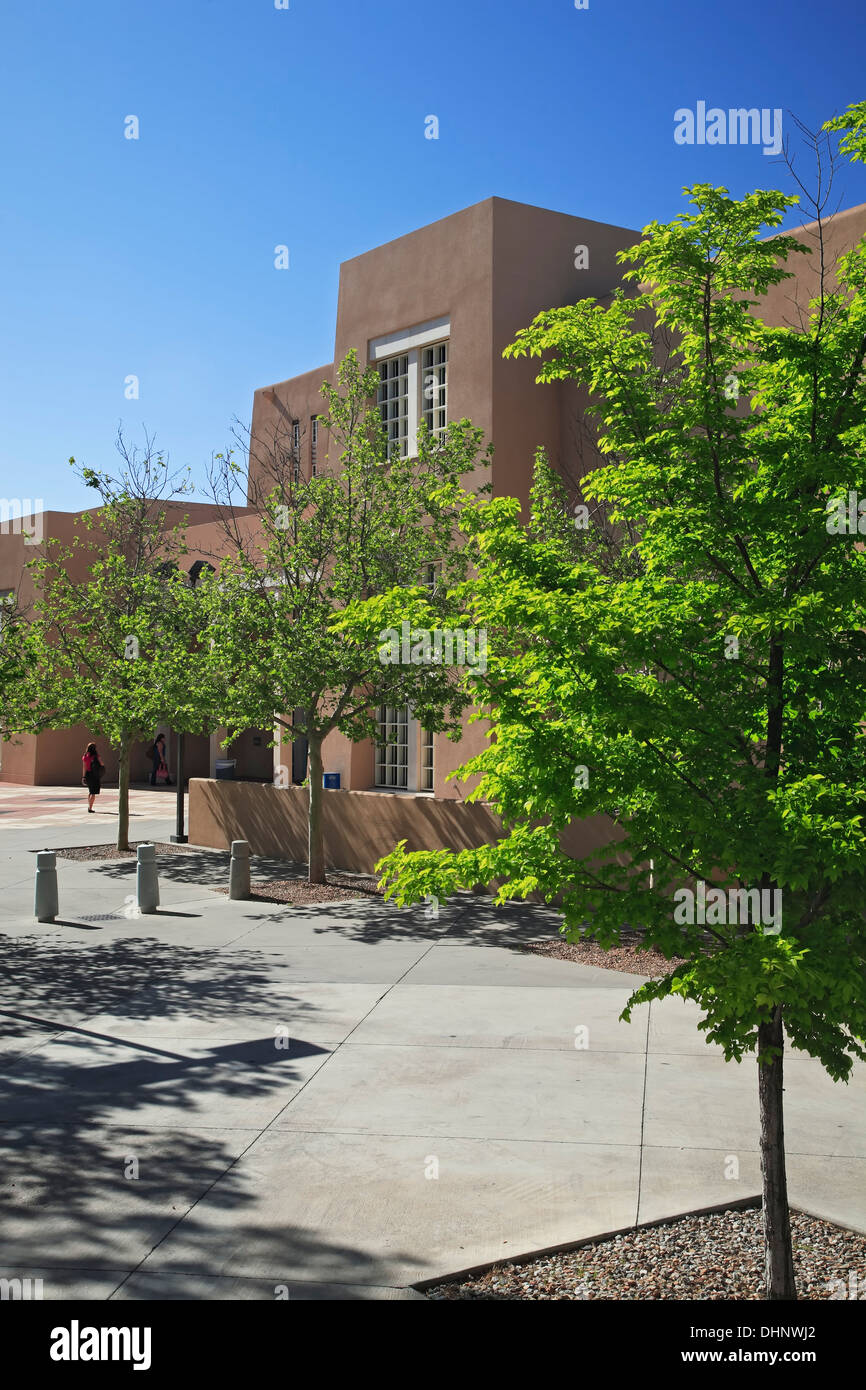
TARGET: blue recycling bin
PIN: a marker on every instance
(331, 781)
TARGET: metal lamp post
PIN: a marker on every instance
(179, 838)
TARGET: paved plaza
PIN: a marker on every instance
(33, 807)
(227, 1098)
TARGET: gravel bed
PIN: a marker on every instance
(339, 888)
(626, 956)
(87, 852)
(716, 1256)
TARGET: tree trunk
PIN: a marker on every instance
(316, 833)
(123, 794)
(778, 1256)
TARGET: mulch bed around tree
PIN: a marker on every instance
(87, 852)
(344, 887)
(715, 1256)
(339, 888)
(651, 964)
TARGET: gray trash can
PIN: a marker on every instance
(225, 769)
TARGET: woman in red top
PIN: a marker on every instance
(92, 770)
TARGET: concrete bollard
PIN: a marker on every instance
(239, 870)
(146, 880)
(45, 903)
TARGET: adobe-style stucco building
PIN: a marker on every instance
(442, 303)
(433, 311)
(54, 757)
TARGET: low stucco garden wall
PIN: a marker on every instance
(359, 827)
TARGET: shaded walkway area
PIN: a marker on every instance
(227, 1099)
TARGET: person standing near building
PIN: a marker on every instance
(157, 754)
(91, 774)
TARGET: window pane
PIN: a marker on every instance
(426, 760)
(392, 750)
(434, 388)
(394, 403)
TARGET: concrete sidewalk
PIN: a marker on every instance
(430, 1113)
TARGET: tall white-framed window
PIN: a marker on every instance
(392, 747)
(394, 403)
(426, 778)
(405, 398)
(296, 449)
(403, 751)
(314, 445)
(434, 388)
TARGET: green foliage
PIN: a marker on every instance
(296, 610)
(853, 123)
(740, 762)
(114, 628)
(16, 660)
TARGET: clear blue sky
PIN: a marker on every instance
(305, 127)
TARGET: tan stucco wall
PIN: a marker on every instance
(54, 757)
(445, 268)
(356, 763)
(359, 827)
(274, 409)
(841, 233)
(18, 761)
(490, 268)
(534, 270)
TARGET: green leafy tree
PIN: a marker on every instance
(16, 661)
(852, 125)
(698, 673)
(333, 561)
(114, 621)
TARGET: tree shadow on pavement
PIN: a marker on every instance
(107, 1142)
(464, 918)
(124, 977)
(76, 1199)
(205, 869)
(208, 868)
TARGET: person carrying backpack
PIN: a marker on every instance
(91, 774)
